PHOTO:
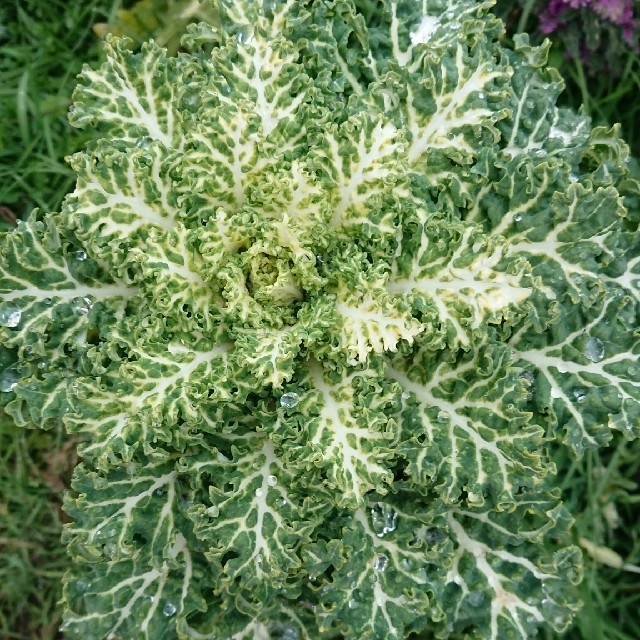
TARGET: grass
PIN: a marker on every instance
(42, 47)
(603, 492)
(35, 466)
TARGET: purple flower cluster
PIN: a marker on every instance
(617, 12)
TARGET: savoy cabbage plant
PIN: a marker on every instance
(335, 284)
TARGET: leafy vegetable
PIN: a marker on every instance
(331, 289)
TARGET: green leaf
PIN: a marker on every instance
(137, 572)
(465, 428)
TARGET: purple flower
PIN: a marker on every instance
(550, 16)
(618, 12)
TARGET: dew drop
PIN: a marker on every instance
(81, 306)
(384, 519)
(555, 392)
(259, 493)
(272, 481)
(143, 143)
(517, 217)
(281, 502)
(380, 562)
(10, 316)
(9, 379)
(289, 400)
(169, 609)
(579, 395)
(352, 604)
(82, 586)
(245, 35)
(594, 349)
(433, 535)
(70, 629)
(573, 177)
(443, 417)
(80, 255)
(481, 95)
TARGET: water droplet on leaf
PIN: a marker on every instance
(384, 519)
(143, 143)
(579, 395)
(9, 379)
(245, 35)
(272, 481)
(82, 586)
(380, 562)
(81, 306)
(434, 535)
(10, 316)
(259, 493)
(169, 609)
(289, 400)
(594, 349)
